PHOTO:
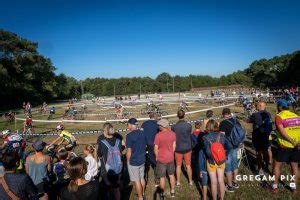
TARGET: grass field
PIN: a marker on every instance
(248, 190)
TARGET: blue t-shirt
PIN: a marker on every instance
(150, 129)
(136, 140)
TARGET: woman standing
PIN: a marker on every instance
(216, 146)
(37, 166)
(79, 188)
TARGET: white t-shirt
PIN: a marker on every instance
(92, 169)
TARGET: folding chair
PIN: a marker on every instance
(242, 155)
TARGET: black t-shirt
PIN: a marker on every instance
(257, 119)
(88, 191)
(21, 185)
(226, 126)
(102, 149)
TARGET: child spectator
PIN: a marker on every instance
(214, 144)
(60, 170)
(196, 145)
(202, 169)
(91, 159)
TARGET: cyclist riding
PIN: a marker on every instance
(119, 110)
(13, 142)
(63, 136)
(52, 110)
(152, 107)
(28, 127)
(183, 106)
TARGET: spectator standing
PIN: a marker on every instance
(150, 129)
(111, 175)
(60, 170)
(91, 159)
(18, 185)
(231, 170)
(288, 135)
(136, 156)
(37, 166)
(79, 188)
(216, 167)
(202, 166)
(262, 128)
(184, 146)
(165, 144)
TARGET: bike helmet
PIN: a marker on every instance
(4, 133)
(60, 127)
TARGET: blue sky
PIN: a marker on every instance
(144, 38)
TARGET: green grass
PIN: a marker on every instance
(248, 190)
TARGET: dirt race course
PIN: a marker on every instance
(94, 112)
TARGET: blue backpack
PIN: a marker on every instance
(237, 134)
(113, 163)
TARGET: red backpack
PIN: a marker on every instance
(217, 151)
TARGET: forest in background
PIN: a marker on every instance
(26, 75)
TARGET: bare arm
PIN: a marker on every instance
(285, 136)
(55, 141)
(3, 145)
(174, 146)
(128, 155)
(27, 164)
(49, 163)
(156, 151)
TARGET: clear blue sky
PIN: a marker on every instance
(144, 38)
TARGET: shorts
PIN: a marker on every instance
(179, 157)
(232, 162)
(261, 142)
(214, 167)
(162, 169)
(204, 179)
(136, 173)
(287, 155)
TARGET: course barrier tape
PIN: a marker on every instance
(100, 131)
(121, 120)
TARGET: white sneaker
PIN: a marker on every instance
(177, 183)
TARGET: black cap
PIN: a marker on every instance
(132, 121)
(226, 111)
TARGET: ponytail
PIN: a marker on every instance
(73, 187)
(92, 150)
(77, 169)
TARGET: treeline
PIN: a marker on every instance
(26, 75)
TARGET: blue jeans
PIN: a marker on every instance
(204, 179)
(232, 160)
(202, 167)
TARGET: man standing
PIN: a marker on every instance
(231, 168)
(136, 156)
(183, 149)
(288, 135)
(262, 128)
(150, 129)
(165, 143)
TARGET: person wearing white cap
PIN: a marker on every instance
(164, 148)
